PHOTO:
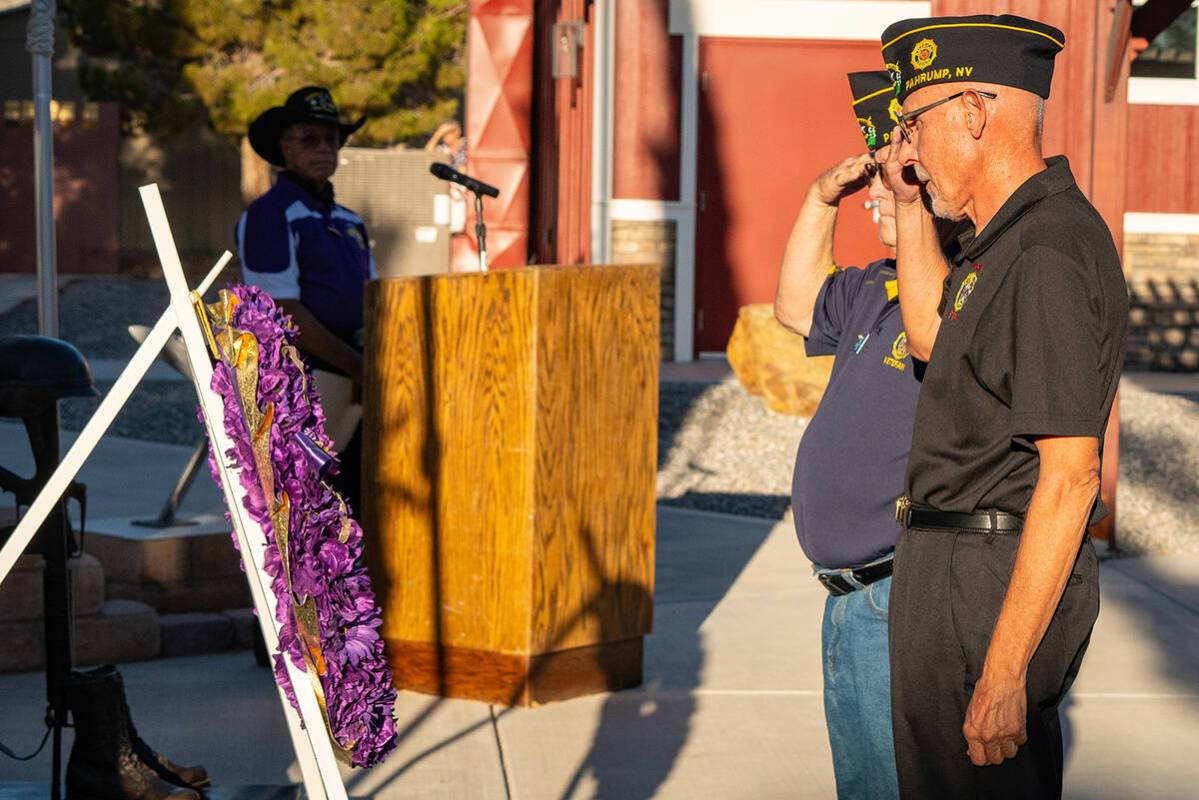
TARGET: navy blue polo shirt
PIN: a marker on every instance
(297, 245)
(853, 455)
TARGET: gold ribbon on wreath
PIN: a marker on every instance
(239, 349)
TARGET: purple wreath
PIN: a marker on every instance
(325, 562)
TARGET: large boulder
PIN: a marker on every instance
(770, 363)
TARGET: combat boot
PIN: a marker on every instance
(103, 765)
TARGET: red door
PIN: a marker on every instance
(773, 114)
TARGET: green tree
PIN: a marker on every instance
(170, 63)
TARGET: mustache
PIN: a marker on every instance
(921, 173)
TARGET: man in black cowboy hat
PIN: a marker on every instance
(310, 254)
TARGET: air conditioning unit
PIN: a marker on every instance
(406, 209)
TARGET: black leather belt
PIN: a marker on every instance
(839, 583)
(913, 516)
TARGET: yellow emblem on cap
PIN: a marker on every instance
(869, 131)
(896, 76)
(892, 289)
(924, 54)
(965, 290)
(895, 110)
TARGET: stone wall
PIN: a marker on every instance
(651, 242)
(1161, 255)
(1163, 282)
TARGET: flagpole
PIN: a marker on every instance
(39, 41)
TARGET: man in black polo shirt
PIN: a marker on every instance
(851, 462)
(996, 585)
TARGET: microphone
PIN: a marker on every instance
(448, 173)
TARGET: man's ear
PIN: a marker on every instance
(975, 114)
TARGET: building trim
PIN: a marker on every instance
(601, 132)
(1163, 91)
(790, 19)
(648, 210)
(1147, 223)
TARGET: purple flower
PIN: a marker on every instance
(360, 642)
(358, 687)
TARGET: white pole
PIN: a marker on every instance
(95, 428)
(313, 748)
(39, 41)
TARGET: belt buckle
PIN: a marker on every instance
(834, 588)
(903, 510)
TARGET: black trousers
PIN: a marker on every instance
(945, 597)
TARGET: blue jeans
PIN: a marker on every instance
(857, 693)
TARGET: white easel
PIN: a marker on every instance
(311, 743)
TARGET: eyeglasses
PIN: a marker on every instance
(311, 141)
(906, 134)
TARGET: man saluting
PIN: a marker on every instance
(996, 585)
(851, 460)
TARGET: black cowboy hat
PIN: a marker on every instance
(310, 104)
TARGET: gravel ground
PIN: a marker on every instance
(730, 453)
(719, 449)
(1157, 498)
(94, 312)
(158, 411)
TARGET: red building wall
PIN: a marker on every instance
(648, 89)
(1163, 159)
(86, 192)
(499, 112)
(562, 137)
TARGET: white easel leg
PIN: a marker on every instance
(313, 749)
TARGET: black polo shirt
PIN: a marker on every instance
(1031, 342)
(850, 465)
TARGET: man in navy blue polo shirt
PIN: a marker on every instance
(309, 253)
(851, 462)
(306, 251)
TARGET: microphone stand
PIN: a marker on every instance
(481, 232)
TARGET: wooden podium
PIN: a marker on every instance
(510, 447)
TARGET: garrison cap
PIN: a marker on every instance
(986, 48)
(875, 106)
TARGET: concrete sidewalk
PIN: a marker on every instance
(731, 706)
(124, 477)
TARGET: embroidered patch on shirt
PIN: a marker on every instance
(964, 291)
(899, 351)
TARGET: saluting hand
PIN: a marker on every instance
(901, 180)
(844, 179)
(995, 720)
